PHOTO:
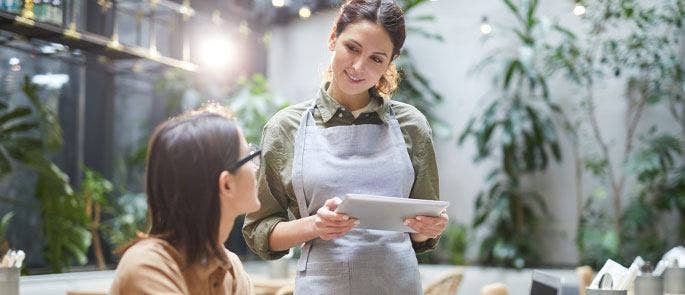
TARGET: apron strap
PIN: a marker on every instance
(298, 182)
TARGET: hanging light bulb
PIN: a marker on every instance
(266, 39)
(244, 29)
(278, 3)
(216, 17)
(15, 65)
(579, 9)
(305, 12)
(485, 27)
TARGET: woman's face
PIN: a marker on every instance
(361, 55)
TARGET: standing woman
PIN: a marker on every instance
(199, 178)
(351, 138)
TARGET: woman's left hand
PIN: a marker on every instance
(427, 227)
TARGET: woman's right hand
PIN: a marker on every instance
(329, 225)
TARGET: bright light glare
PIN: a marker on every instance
(278, 3)
(485, 29)
(579, 10)
(52, 81)
(215, 52)
(305, 12)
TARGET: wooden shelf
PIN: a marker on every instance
(87, 42)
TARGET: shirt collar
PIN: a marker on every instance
(328, 106)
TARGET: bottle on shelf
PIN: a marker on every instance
(38, 10)
(57, 12)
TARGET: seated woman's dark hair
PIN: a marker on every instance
(186, 155)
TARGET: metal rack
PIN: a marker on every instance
(61, 21)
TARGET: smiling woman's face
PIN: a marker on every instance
(361, 55)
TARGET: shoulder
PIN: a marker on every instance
(283, 125)
(289, 116)
(149, 254)
(411, 119)
(150, 263)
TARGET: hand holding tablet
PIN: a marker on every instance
(388, 213)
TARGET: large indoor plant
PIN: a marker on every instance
(518, 132)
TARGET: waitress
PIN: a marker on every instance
(351, 138)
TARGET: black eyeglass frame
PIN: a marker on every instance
(236, 165)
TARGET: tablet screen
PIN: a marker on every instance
(545, 284)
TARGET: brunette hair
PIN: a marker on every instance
(388, 15)
(185, 157)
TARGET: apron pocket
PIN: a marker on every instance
(324, 278)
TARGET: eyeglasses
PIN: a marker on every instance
(255, 152)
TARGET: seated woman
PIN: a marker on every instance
(200, 176)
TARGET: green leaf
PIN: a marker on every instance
(422, 18)
(426, 34)
(564, 31)
(512, 7)
(512, 66)
(19, 127)
(530, 15)
(15, 114)
(468, 130)
(4, 224)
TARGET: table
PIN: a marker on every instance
(517, 281)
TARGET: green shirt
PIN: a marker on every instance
(275, 174)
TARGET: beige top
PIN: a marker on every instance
(152, 266)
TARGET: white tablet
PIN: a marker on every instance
(387, 213)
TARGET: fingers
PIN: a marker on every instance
(330, 225)
(326, 223)
(420, 228)
(332, 232)
(428, 225)
(440, 220)
(327, 214)
(335, 234)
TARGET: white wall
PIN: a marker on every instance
(298, 55)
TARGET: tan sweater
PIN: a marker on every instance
(152, 266)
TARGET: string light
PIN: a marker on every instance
(266, 39)
(579, 9)
(244, 29)
(216, 18)
(15, 64)
(305, 12)
(485, 27)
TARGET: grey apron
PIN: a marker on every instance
(364, 159)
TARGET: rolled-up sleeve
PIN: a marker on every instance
(259, 225)
(426, 181)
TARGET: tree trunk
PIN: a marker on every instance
(97, 246)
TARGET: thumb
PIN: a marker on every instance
(333, 203)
